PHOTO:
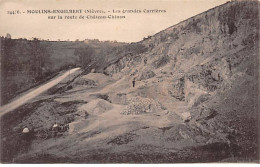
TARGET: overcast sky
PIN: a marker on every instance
(131, 29)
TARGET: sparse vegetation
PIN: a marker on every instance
(26, 63)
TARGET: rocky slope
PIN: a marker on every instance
(210, 62)
(195, 99)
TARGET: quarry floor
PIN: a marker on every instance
(99, 132)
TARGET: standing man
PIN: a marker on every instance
(55, 129)
(133, 82)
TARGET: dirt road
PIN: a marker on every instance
(23, 99)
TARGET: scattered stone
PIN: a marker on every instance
(26, 130)
(186, 116)
(146, 75)
(138, 105)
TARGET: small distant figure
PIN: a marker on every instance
(26, 134)
(145, 60)
(229, 66)
(133, 82)
(55, 126)
(26, 139)
(55, 129)
(229, 63)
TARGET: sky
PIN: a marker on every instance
(133, 28)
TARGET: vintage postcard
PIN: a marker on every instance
(129, 81)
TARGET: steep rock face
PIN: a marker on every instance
(207, 61)
(127, 61)
(178, 89)
(208, 48)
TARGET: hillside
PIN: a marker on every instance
(28, 63)
(195, 99)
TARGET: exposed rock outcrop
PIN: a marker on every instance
(203, 61)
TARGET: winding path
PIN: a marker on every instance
(25, 98)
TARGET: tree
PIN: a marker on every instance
(8, 36)
(85, 55)
(40, 56)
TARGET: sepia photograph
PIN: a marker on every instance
(129, 81)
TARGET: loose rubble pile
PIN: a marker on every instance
(146, 74)
(139, 105)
